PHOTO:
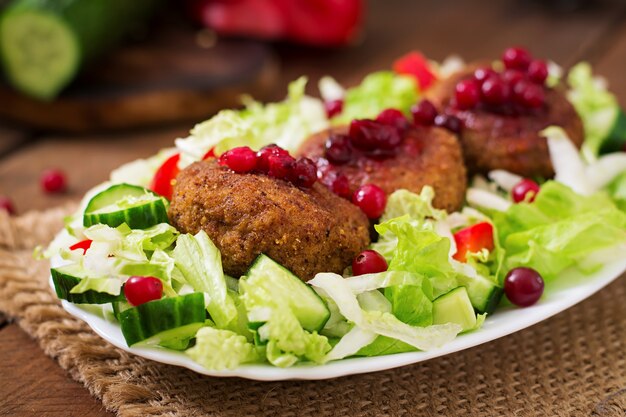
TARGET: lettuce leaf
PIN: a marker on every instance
(410, 305)
(559, 229)
(597, 107)
(378, 91)
(200, 263)
(382, 323)
(420, 251)
(285, 123)
(221, 349)
(617, 191)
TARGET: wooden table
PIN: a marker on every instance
(32, 384)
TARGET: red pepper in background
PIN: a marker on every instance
(210, 154)
(473, 239)
(312, 22)
(162, 183)
(415, 64)
(83, 245)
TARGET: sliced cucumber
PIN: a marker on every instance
(119, 306)
(167, 322)
(287, 289)
(454, 307)
(136, 206)
(67, 277)
(484, 294)
(43, 43)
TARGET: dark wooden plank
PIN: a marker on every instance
(32, 384)
(11, 138)
(3, 320)
(86, 161)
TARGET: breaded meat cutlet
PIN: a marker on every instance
(427, 156)
(497, 140)
(306, 230)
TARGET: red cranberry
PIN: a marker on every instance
(333, 107)
(280, 166)
(512, 77)
(523, 286)
(7, 204)
(450, 122)
(241, 159)
(538, 71)
(529, 95)
(424, 113)
(264, 153)
(516, 58)
(525, 191)
(304, 173)
(372, 135)
(371, 199)
(53, 181)
(139, 290)
(338, 149)
(341, 186)
(495, 91)
(481, 74)
(393, 117)
(368, 262)
(466, 94)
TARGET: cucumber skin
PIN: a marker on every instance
(149, 319)
(616, 139)
(64, 283)
(140, 217)
(97, 25)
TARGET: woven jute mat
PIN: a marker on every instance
(572, 364)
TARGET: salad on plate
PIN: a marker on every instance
(393, 216)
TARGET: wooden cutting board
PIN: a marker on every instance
(177, 73)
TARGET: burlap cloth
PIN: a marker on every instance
(573, 364)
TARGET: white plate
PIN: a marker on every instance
(569, 289)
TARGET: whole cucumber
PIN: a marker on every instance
(44, 43)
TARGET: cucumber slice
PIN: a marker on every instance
(166, 322)
(136, 206)
(67, 277)
(484, 294)
(118, 307)
(44, 43)
(40, 51)
(288, 289)
(454, 307)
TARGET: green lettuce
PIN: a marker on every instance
(287, 341)
(410, 305)
(617, 191)
(597, 107)
(221, 349)
(378, 91)
(104, 285)
(420, 251)
(287, 124)
(559, 229)
(200, 263)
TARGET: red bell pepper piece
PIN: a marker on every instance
(313, 22)
(415, 64)
(210, 154)
(83, 245)
(473, 239)
(162, 182)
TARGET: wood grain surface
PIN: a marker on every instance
(31, 384)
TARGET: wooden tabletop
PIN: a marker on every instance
(31, 384)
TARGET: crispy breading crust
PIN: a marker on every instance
(492, 141)
(307, 231)
(427, 156)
